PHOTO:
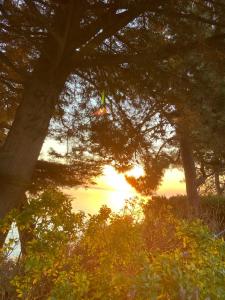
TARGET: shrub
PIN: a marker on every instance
(212, 209)
(115, 256)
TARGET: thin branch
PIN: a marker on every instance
(162, 146)
(145, 57)
(199, 19)
(6, 61)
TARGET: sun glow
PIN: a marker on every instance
(120, 190)
(136, 171)
(112, 189)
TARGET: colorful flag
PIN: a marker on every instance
(103, 98)
(103, 110)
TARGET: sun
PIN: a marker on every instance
(120, 190)
(136, 171)
(114, 179)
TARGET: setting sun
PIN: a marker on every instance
(136, 171)
(120, 190)
(112, 189)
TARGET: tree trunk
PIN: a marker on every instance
(41, 91)
(219, 190)
(21, 149)
(24, 142)
(189, 171)
(2, 238)
(26, 234)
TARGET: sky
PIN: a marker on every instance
(112, 189)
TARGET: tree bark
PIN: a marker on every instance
(2, 238)
(21, 149)
(189, 170)
(42, 89)
(24, 142)
(26, 234)
(219, 190)
(20, 152)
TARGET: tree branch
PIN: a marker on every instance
(9, 64)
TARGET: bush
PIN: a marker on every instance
(117, 256)
(212, 209)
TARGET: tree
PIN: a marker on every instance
(56, 40)
(173, 68)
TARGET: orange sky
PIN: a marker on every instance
(112, 189)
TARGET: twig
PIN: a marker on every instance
(220, 233)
